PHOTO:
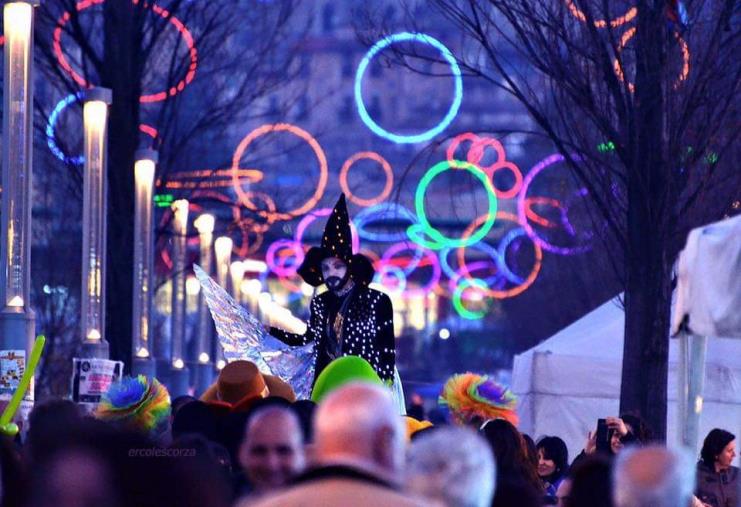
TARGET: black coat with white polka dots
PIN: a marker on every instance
(367, 331)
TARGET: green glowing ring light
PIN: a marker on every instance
(464, 284)
(437, 240)
(454, 70)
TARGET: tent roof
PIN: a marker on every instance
(599, 334)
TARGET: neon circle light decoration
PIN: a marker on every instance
(684, 48)
(432, 260)
(244, 197)
(51, 126)
(387, 210)
(602, 23)
(476, 153)
(526, 283)
(396, 272)
(438, 240)
(370, 155)
(465, 284)
(164, 14)
(284, 270)
(457, 81)
(522, 209)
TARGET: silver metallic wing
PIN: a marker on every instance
(242, 336)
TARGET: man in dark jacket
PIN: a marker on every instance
(349, 318)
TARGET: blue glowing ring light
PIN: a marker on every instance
(51, 125)
(397, 273)
(457, 80)
(379, 212)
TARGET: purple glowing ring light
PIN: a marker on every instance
(481, 246)
(51, 127)
(434, 262)
(521, 208)
(454, 280)
(280, 269)
(323, 212)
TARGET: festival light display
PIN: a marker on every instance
(522, 207)
(428, 258)
(421, 231)
(245, 197)
(602, 23)
(475, 155)
(464, 285)
(164, 14)
(51, 125)
(381, 212)
(454, 70)
(501, 260)
(684, 48)
(370, 155)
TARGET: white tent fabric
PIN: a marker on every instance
(709, 288)
(570, 380)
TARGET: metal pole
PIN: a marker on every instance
(144, 169)
(17, 320)
(223, 247)
(204, 373)
(95, 119)
(179, 381)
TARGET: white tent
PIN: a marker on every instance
(570, 380)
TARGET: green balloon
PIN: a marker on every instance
(341, 371)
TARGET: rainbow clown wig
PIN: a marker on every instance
(474, 399)
(136, 403)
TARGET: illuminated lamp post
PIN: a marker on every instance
(204, 370)
(178, 373)
(17, 321)
(95, 126)
(223, 248)
(236, 271)
(141, 309)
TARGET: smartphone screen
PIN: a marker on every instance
(603, 436)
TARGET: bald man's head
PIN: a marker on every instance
(359, 423)
(653, 476)
(272, 451)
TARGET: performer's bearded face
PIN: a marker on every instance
(335, 273)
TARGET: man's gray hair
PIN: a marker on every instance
(453, 465)
(653, 476)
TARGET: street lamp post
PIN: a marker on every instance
(204, 370)
(95, 122)
(179, 372)
(236, 272)
(141, 310)
(223, 247)
(17, 321)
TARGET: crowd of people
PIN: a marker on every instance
(349, 448)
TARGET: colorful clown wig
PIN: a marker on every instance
(471, 398)
(136, 403)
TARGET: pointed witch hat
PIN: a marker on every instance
(336, 242)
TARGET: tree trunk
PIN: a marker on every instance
(123, 75)
(648, 270)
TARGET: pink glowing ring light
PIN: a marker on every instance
(165, 14)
